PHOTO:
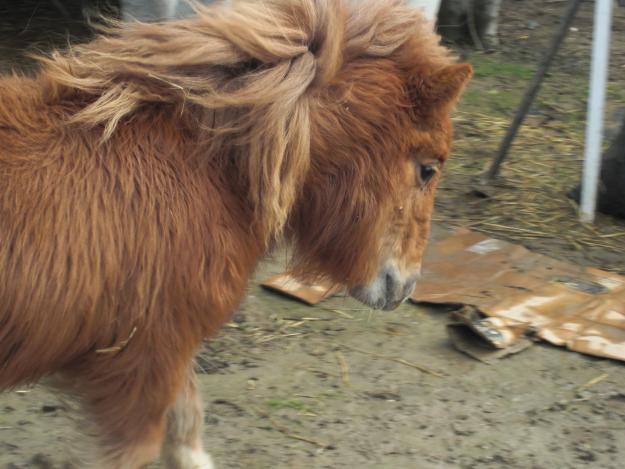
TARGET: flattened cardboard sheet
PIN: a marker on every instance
(578, 308)
(521, 293)
(309, 293)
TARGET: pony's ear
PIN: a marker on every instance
(442, 87)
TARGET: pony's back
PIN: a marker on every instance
(100, 239)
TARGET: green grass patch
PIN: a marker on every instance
(486, 100)
(487, 67)
(332, 394)
(293, 404)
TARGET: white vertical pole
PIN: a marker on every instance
(596, 102)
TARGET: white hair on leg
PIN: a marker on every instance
(182, 448)
(189, 458)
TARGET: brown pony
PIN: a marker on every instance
(142, 177)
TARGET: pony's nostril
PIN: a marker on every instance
(390, 284)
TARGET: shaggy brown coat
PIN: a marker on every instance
(143, 175)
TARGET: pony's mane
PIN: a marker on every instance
(251, 67)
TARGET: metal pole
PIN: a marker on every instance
(532, 89)
(596, 103)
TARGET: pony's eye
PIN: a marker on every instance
(426, 172)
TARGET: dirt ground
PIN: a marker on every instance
(287, 386)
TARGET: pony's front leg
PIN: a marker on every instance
(182, 448)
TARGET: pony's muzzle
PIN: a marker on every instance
(387, 291)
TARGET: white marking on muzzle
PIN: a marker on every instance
(389, 288)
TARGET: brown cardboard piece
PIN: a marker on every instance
(524, 293)
(486, 339)
(505, 293)
(309, 293)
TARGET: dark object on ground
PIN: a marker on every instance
(611, 194)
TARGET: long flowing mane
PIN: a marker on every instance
(144, 175)
(249, 71)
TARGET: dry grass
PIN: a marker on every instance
(529, 203)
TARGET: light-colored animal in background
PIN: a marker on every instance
(148, 10)
(158, 10)
(144, 175)
(428, 7)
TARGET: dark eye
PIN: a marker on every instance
(426, 172)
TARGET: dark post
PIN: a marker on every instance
(532, 89)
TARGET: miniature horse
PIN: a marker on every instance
(143, 176)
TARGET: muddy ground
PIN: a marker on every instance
(288, 386)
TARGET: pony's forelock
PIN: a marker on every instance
(255, 64)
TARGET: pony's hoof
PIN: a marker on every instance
(188, 458)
